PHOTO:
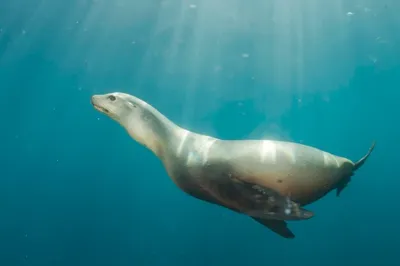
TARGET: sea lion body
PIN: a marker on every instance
(267, 180)
(303, 172)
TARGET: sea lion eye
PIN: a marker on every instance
(111, 98)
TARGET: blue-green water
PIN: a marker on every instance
(76, 190)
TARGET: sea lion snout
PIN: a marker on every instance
(106, 103)
(95, 100)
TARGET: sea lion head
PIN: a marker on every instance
(119, 106)
(134, 114)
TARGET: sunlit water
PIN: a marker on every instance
(76, 190)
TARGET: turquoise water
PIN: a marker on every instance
(75, 189)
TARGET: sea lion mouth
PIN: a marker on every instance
(101, 109)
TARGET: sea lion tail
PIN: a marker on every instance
(357, 165)
(360, 162)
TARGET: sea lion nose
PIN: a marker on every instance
(93, 99)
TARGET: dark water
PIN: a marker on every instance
(76, 190)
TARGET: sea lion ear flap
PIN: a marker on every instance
(277, 226)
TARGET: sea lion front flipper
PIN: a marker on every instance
(268, 203)
(279, 227)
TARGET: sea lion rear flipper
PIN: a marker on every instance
(343, 184)
(360, 162)
(277, 226)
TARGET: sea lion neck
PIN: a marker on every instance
(154, 130)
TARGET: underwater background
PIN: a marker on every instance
(76, 190)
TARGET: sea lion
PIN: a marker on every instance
(267, 180)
